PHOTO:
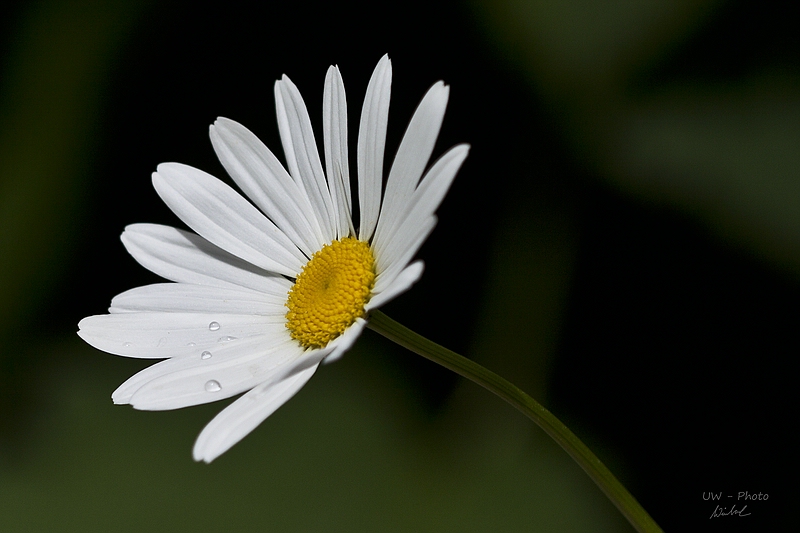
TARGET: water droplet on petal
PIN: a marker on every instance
(161, 342)
(214, 326)
(226, 339)
(213, 386)
(205, 355)
(127, 344)
(191, 344)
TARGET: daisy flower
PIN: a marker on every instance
(262, 293)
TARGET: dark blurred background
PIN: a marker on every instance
(623, 242)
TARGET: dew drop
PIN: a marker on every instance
(127, 344)
(213, 386)
(214, 326)
(226, 339)
(191, 344)
(205, 355)
(161, 342)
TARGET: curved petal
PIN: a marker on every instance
(221, 215)
(242, 416)
(184, 257)
(371, 144)
(413, 154)
(264, 180)
(400, 252)
(401, 284)
(184, 297)
(231, 371)
(423, 201)
(157, 335)
(334, 129)
(272, 348)
(301, 152)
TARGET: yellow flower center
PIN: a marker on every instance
(330, 293)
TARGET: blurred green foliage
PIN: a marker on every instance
(53, 78)
(723, 147)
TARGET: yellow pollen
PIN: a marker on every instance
(330, 293)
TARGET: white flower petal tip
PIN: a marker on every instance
(245, 414)
(234, 319)
(119, 399)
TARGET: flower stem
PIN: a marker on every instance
(471, 370)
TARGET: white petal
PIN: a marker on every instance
(181, 256)
(371, 143)
(183, 297)
(221, 215)
(334, 129)
(345, 341)
(232, 370)
(413, 155)
(158, 335)
(273, 348)
(401, 284)
(399, 254)
(243, 415)
(264, 180)
(424, 201)
(301, 152)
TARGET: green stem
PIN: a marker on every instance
(471, 370)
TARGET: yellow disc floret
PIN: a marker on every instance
(330, 293)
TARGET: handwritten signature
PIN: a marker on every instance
(733, 511)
